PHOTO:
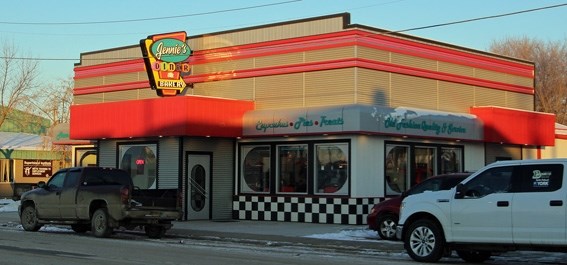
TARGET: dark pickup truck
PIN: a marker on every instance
(100, 200)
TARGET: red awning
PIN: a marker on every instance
(513, 126)
(168, 116)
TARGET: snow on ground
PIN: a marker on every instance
(362, 234)
(8, 205)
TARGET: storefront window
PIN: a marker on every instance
(331, 168)
(140, 162)
(255, 169)
(397, 161)
(451, 160)
(292, 169)
(85, 157)
(424, 164)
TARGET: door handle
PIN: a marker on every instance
(503, 203)
(556, 203)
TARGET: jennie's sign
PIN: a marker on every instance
(165, 57)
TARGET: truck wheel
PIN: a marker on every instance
(29, 219)
(100, 224)
(424, 241)
(155, 231)
(473, 256)
(387, 226)
(80, 228)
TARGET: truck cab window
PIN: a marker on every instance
(56, 182)
(494, 180)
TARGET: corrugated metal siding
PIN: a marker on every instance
(88, 99)
(329, 54)
(145, 93)
(494, 151)
(489, 97)
(413, 91)
(413, 61)
(120, 95)
(333, 87)
(279, 91)
(520, 81)
(280, 59)
(491, 75)
(455, 97)
(123, 78)
(107, 153)
(373, 87)
(278, 32)
(223, 66)
(223, 172)
(111, 56)
(233, 88)
(89, 82)
(372, 54)
(455, 69)
(519, 101)
(168, 175)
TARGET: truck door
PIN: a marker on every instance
(538, 209)
(68, 197)
(48, 203)
(483, 213)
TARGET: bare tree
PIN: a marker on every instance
(55, 101)
(550, 60)
(17, 80)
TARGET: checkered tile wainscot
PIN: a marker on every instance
(351, 211)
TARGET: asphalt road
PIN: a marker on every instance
(65, 247)
(61, 246)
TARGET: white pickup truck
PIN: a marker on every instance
(505, 206)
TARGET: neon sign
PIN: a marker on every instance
(165, 58)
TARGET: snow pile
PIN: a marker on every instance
(362, 234)
(8, 205)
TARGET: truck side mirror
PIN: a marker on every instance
(460, 191)
(41, 184)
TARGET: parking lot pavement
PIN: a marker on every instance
(343, 237)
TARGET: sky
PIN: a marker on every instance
(57, 32)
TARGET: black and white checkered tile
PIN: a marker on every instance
(351, 211)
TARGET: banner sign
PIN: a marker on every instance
(363, 119)
(165, 58)
(37, 168)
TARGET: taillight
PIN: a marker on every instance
(125, 195)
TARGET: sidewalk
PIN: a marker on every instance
(336, 237)
(344, 237)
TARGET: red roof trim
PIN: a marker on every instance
(326, 41)
(317, 66)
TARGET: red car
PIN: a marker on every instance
(383, 217)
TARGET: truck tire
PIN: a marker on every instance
(100, 225)
(154, 231)
(473, 256)
(29, 219)
(387, 226)
(424, 241)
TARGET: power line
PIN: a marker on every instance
(477, 19)
(146, 19)
(368, 35)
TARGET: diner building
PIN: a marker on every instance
(310, 120)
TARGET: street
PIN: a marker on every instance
(62, 246)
